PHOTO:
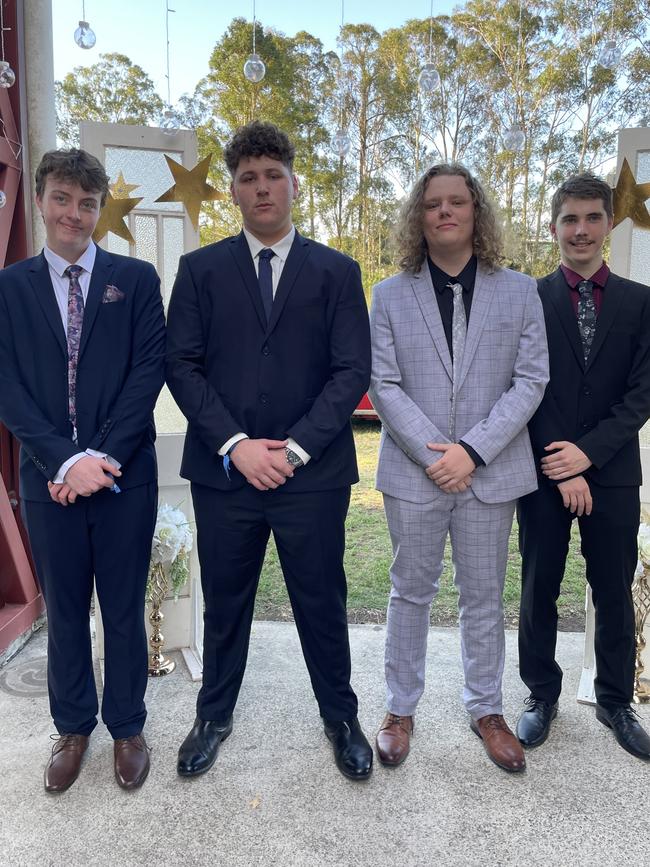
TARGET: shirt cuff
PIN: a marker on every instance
(302, 454)
(104, 456)
(478, 460)
(225, 448)
(63, 469)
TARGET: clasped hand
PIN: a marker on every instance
(453, 472)
(262, 462)
(567, 460)
(85, 477)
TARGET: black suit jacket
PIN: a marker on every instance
(301, 375)
(602, 405)
(119, 375)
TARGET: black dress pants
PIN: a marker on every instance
(233, 530)
(609, 545)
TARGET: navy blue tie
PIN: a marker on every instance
(265, 278)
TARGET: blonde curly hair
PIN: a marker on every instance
(409, 241)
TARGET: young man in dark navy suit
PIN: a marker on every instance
(82, 345)
(585, 436)
(268, 355)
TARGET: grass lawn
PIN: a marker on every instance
(368, 557)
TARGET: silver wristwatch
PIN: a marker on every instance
(292, 458)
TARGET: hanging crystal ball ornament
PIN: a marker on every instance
(514, 138)
(84, 35)
(254, 68)
(341, 143)
(7, 75)
(429, 78)
(3, 198)
(169, 122)
(610, 55)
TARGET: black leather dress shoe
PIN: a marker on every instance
(352, 752)
(534, 724)
(199, 750)
(628, 731)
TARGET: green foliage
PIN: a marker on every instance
(111, 91)
(500, 62)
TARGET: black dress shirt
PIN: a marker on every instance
(442, 284)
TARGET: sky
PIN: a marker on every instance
(137, 28)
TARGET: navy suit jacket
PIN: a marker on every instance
(300, 376)
(602, 405)
(120, 370)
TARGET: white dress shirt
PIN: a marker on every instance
(61, 286)
(281, 250)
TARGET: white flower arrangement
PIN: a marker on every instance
(170, 548)
(644, 545)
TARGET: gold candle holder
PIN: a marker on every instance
(159, 664)
(641, 598)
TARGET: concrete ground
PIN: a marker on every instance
(274, 797)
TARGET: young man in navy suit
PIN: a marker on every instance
(585, 437)
(268, 355)
(82, 345)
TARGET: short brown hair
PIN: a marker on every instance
(74, 166)
(582, 186)
(409, 241)
(259, 139)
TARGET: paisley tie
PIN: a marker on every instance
(586, 315)
(75, 322)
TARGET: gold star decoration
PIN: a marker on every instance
(120, 189)
(191, 187)
(112, 217)
(630, 198)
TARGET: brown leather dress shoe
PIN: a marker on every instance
(500, 744)
(131, 761)
(394, 739)
(65, 762)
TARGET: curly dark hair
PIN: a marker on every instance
(259, 139)
(73, 166)
(409, 238)
(582, 186)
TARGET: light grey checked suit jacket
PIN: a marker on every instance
(502, 380)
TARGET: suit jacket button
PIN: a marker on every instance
(264, 398)
(266, 350)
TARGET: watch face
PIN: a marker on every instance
(292, 458)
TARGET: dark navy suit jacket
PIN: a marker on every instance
(300, 376)
(602, 405)
(119, 375)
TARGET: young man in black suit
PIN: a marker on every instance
(82, 344)
(268, 355)
(585, 436)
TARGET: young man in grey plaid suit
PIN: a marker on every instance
(459, 366)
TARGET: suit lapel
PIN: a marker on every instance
(612, 297)
(101, 277)
(244, 261)
(297, 255)
(558, 292)
(484, 287)
(39, 278)
(426, 298)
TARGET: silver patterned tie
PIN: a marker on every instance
(458, 335)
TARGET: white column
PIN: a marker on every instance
(39, 92)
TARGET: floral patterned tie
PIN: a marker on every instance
(75, 322)
(586, 315)
(458, 335)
